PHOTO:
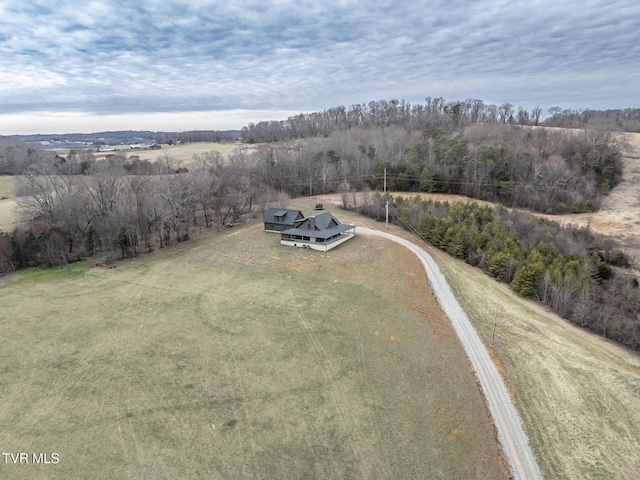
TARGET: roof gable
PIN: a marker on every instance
(324, 225)
(282, 216)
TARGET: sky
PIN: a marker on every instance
(165, 65)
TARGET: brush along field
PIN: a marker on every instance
(8, 214)
(235, 357)
(578, 394)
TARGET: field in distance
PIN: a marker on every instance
(182, 153)
(8, 214)
(235, 357)
(185, 152)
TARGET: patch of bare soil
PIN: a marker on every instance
(619, 215)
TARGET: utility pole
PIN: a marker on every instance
(386, 217)
(385, 180)
(495, 320)
(386, 208)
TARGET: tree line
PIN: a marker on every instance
(16, 157)
(578, 274)
(423, 148)
(621, 120)
(538, 169)
(435, 113)
(70, 211)
(191, 136)
(551, 172)
(76, 206)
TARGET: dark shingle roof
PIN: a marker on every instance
(324, 226)
(282, 216)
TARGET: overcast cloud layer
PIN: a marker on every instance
(64, 62)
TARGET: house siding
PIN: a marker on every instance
(322, 232)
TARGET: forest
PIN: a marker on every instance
(77, 205)
(580, 275)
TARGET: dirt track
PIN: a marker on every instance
(513, 439)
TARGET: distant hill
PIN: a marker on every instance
(129, 136)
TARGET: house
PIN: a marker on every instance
(279, 219)
(320, 232)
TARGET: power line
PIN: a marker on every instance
(407, 225)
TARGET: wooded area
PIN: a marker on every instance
(582, 276)
(82, 207)
(77, 205)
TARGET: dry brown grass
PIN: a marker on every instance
(184, 152)
(578, 393)
(8, 214)
(235, 357)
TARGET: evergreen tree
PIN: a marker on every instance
(92, 242)
(124, 241)
(526, 279)
(525, 282)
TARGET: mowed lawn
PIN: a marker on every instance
(235, 357)
(578, 393)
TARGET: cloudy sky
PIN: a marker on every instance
(78, 66)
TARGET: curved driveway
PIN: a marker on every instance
(514, 441)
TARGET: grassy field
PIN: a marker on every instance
(578, 394)
(182, 153)
(7, 203)
(235, 357)
(6, 187)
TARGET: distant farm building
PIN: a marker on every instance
(279, 219)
